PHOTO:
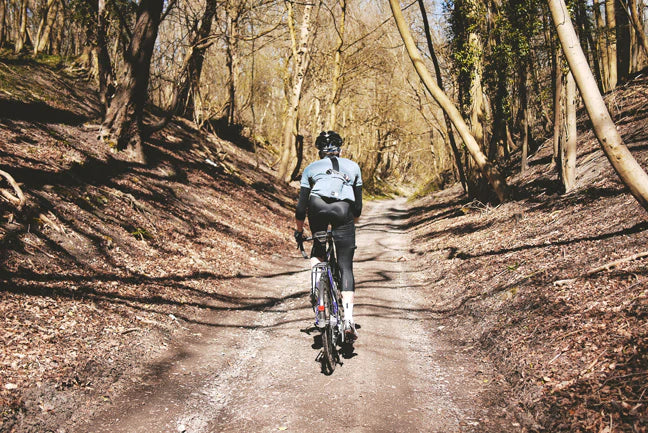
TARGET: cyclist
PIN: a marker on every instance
(331, 193)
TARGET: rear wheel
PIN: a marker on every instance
(329, 351)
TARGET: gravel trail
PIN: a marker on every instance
(256, 370)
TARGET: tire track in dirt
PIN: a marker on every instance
(256, 371)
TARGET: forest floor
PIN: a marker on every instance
(169, 296)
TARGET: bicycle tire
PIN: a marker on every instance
(329, 350)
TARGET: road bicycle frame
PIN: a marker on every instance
(330, 269)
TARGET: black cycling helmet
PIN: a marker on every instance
(329, 142)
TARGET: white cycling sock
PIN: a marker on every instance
(347, 300)
(314, 261)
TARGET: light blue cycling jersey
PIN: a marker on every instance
(330, 185)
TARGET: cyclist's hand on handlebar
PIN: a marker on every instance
(299, 238)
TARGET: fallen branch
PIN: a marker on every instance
(46, 220)
(605, 267)
(28, 242)
(19, 199)
(615, 263)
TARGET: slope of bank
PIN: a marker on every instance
(110, 260)
(551, 288)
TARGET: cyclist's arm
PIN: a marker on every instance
(357, 204)
(302, 205)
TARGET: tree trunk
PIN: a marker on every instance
(3, 25)
(104, 67)
(585, 29)
(490, 172)
(637, 22)
(336, 88)
(45, 26)
(302, 59)
(232, 62)
(123, 126)
(476, 90)
(299, 150)
(558, 92)
(623, 41)
(602, 46)
(568, 154)
(189, 87)
(610, 21)
(524, 107)
(439, 79)
(22, 29)
(620, 157)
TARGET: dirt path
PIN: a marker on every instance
(254, 370)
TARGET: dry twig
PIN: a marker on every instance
(19, 199)
(615, 263)
(605, 267)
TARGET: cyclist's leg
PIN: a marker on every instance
(317, 221)
(345, 246)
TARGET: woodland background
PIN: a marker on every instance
(278, 72)
(122, 123)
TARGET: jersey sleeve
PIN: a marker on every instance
(358, 176)
(305, 181)
(302, 203)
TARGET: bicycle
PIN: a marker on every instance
(326, 299)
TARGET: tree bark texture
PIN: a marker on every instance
(104, 67)
(3, 25)
(22, 29)
(568, 154)
(610, 21)
(490, 172)
(558, 118)
(301, 57)
(123, 125)
(231, 37)
(476, 89)
(189, 86)
(602, 46)
(49, 13)
(336, 87)
(439, 79)
(630, 172)
(637, 22)
(524, 108)
(623, 41)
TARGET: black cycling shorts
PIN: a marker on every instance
(321, 213)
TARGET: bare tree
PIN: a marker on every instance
(193, 63)
(602, 43)
(439, 79)
(490, 172)
(568, 151)
(301, 56)
(610, 21)
(630, 172)
(3, 22)
(558, 118)
(48, 17)
(637, 22)
(22, 29)
(336, 88)
(105, 73)
(123, 125)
